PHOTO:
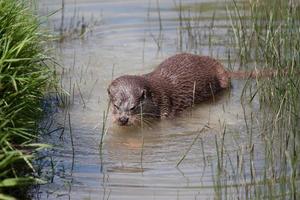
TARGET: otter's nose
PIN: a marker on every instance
(123, 120)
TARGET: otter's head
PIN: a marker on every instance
(127, 95)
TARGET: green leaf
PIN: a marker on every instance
(39, 145)
(6, 197)
(12, 182)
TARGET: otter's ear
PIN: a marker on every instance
(108, 92)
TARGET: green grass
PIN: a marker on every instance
(24, 76)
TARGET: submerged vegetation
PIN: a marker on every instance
(24, 77)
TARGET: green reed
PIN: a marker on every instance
(75, 26)
(268, 35)
(24, 76)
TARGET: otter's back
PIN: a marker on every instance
(192, 78)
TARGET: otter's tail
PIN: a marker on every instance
(253, 74)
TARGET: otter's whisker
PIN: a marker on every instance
(145, 121)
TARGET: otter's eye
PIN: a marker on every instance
(117, 107)
(133, 108)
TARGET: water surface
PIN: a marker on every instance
(132, 37)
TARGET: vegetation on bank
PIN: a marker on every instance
(24, 77)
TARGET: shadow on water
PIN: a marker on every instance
(215, 150)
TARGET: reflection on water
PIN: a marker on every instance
(133, 37)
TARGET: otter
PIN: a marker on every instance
(177, 83)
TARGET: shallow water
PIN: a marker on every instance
(125, 37)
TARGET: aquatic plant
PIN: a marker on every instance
(75, 26)
(24, 77)
(268, 36)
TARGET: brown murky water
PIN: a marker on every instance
(132, 37)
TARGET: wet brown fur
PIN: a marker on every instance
(176, 84)
(185, 79)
